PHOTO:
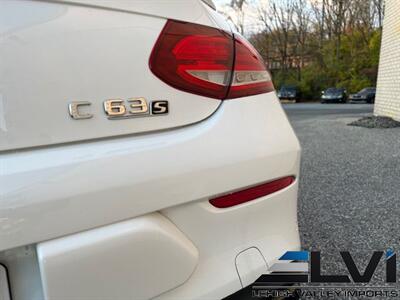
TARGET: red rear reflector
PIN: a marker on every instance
(252, 193)
(199, 59)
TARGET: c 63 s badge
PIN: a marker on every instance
(121, 109)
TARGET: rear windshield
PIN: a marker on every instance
(367, 91)
(334, 90)
(288, 88)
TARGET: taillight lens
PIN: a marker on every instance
(194, 58)
(252, 193)
(200, 59)
(250, 77)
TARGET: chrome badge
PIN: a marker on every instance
(121, 109)
(75, 112)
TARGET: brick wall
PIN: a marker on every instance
(387, 101)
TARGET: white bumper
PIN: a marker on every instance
(51, 192)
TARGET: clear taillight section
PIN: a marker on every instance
(250, 77)
(209, 62)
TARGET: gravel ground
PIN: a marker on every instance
(376, 122)
(349, 197)
(349, 190)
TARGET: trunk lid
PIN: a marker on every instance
(56, 53)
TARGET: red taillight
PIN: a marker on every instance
(194, 58)
(252, 193)
(250, 77)
(200, 59)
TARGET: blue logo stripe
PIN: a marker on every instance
(389, 253)
(296, 255)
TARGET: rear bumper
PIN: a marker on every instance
(355, 100)
(52, 192)
(247, 141)
(288, 98)
(333, 100)
(268, 225)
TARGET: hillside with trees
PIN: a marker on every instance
(314, 44)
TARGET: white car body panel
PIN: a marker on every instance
(184, 10)
(69, 187)
(107, 263)
(45, 189)
(41, 73)
(4, 288)
(268, 224)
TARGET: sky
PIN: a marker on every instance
(219, 3)
(251, 21)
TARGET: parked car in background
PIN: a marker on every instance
(334, 95)
(288, 92)
(365, 95)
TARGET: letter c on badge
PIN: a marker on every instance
(73, 108)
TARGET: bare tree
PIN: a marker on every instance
(236, 14)
(277, 18)
(336, 20)
(379, 7)
(318, 19)
(301, 20)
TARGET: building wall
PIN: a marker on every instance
(387, 101)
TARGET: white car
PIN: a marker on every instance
(143, 153)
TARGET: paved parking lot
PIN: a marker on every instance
(306, 111)
(350, 183)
